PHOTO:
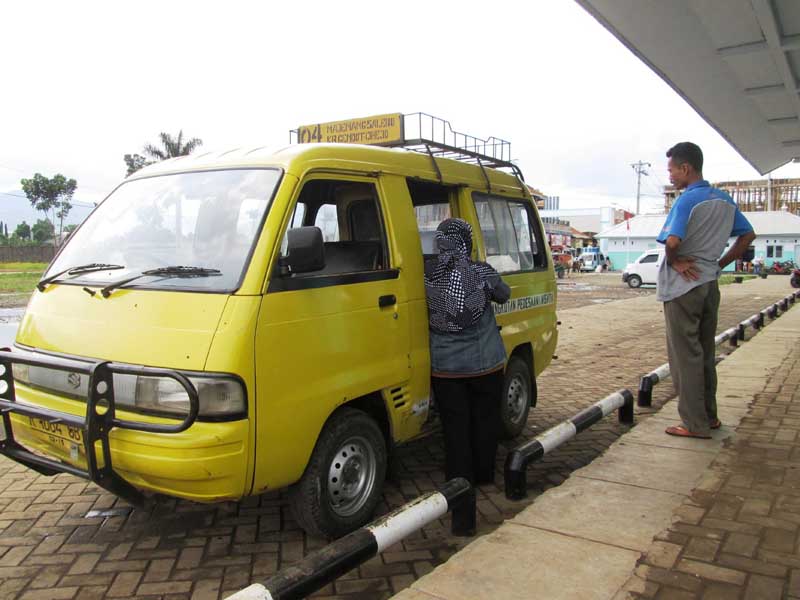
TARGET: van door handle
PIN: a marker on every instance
(388, 300)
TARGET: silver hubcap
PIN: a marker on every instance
(351, 476)
(517, 399)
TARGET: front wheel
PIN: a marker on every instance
(344, 478)
(634, 281)
(519, 394)
(795, 281)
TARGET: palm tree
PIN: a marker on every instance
(172, 147)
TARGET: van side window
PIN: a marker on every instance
(650, 258)
(510, 233)
(348, 213)
(431, 206)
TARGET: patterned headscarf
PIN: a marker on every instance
(457, 288)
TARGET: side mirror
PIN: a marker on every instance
(305, 250)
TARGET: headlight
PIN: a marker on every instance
(21, 373)
(218, 396)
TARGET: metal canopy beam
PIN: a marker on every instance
(676, 39)
(765, 13)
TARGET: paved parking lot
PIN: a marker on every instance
(50, 547)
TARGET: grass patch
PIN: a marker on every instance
(726, 279)
(25, 267)
(15, 283)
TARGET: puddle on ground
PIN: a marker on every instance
(11, 315)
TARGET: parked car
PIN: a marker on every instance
(644, 269)
(591, 260)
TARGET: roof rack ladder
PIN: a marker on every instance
(485, 176)
(435, 166)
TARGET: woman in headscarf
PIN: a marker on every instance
(467, 353)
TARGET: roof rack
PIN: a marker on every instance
(427, 134)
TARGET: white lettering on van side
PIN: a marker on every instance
(524, 303)
(421, 407)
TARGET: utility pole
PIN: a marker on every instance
(769, 191)
(639, 167)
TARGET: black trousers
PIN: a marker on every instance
(470, 411)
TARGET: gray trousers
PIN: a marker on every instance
(691, 326)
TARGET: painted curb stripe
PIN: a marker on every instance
(661, 373)
(556, 436)
(611, 403)
(587, 417)
(408, 519)
(253, 592)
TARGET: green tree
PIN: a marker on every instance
(23, 231)
(135, 162)
(42, 230)
(51, 195)
(170, 148)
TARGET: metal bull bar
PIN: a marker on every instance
(518, 459)
(99, 419)
(733, 335)
(334, 560)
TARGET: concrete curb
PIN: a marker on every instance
(583, 538)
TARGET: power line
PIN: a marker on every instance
(74, 203)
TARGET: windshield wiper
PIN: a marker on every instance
(87, 268)
(173, 271)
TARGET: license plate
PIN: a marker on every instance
(62, 437)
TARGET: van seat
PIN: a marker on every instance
(351, 257)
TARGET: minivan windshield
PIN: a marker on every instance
(202, 220)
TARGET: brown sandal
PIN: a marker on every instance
(715, 424)
(681, 431)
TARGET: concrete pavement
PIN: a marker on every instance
(663, 517)
(63, 538)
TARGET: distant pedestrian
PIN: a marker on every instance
(467, 354)
(695, 233)
(758, 265)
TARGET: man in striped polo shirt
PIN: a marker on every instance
(695, 233)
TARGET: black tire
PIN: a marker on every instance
(519, 394)
(795, 281)
(319, 501)
(634, 281)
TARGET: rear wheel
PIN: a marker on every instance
(344, 478)
(634, 281)
(519, 394)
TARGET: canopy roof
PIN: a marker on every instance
(736, 62)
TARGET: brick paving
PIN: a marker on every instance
(736, 537)
(49, 548)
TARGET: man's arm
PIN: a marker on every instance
(739, 247)
(682, 264)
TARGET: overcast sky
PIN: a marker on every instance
(83, 83)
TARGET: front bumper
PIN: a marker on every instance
(85, 447)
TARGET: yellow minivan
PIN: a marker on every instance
(232, 323)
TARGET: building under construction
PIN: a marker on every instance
(754, 196)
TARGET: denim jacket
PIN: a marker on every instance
(475, 351)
